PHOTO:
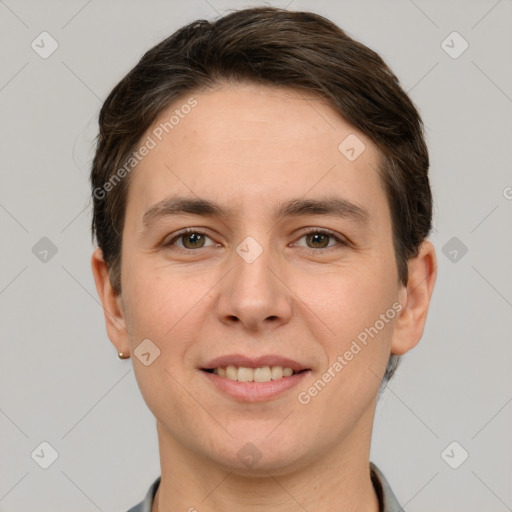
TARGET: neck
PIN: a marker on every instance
(338, 480)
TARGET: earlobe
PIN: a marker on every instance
(420, 285)
(111, 302)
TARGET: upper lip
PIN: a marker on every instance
(253, 362)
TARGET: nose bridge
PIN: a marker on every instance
(252, 293)
(252, 263)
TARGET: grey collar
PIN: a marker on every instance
(387, 499)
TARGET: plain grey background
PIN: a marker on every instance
(61, 380)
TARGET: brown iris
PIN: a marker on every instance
(195, 238)
(315, 236)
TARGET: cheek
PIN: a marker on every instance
(153, 305)
(353, 316)
(358, 311)
(349, 299)
(161, 310)
(166, 306)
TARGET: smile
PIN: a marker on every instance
(245, 374)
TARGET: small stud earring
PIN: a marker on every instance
(121, 355)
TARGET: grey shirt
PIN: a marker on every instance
(387, 500)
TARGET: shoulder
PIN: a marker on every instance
(146, 504)
(387, 498)
(384, 492)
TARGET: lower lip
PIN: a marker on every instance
(254, 391)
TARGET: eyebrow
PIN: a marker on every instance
(333, 206)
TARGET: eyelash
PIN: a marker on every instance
(321, 231)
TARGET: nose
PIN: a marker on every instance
(255, 293)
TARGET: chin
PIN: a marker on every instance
(262, 464)
(263, 454)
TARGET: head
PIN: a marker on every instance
(274, 119)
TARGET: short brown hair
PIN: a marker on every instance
(270, 47)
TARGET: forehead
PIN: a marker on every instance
(244, 118)
(245, 143)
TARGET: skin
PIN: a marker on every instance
(251, 148)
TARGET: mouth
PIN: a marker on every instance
(253, 379)
(246, 374)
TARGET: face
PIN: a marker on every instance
(289, 264)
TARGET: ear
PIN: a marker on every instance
(112, 303)
(416, 300)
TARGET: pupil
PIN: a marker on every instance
(315, 237)
(195, 237)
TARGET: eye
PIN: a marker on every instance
(319, 238)
(191, 239)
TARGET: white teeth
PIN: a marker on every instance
(277, 372)
(232, 372)
(245, 374)
(263, 374)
